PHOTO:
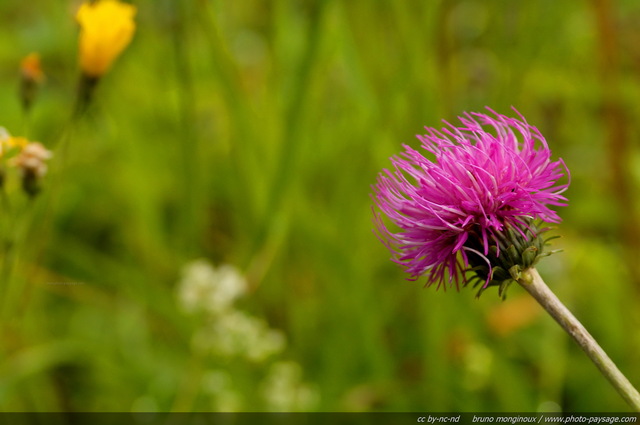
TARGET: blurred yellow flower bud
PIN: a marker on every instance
(31, 69)
(31, 76)
(106, 29)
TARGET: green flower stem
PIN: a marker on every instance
(533, 283)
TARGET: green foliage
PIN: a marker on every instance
(249, 133)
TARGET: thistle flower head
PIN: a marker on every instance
(106, 28)
(471, 206)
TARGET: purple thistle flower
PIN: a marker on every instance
(492, 176)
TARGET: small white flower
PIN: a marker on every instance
(268, 343)
(32, 159)
(284, 391)
(238, 334)
(205, 288)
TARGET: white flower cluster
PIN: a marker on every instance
(205, 288)
(284, 390)
(230, 334)
(238, 334)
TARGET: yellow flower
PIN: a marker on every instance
(8, 143)
(17, 142)
(106, 29)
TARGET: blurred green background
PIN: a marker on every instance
(249, 133)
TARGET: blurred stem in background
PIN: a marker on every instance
(189, 217)
(87, 86)
(26, 161)
(5, 248)
(246, 150)
(15, 231)
(616, 122)
(17, 217)
(31, 78)
(444, 48)
(292, 139)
